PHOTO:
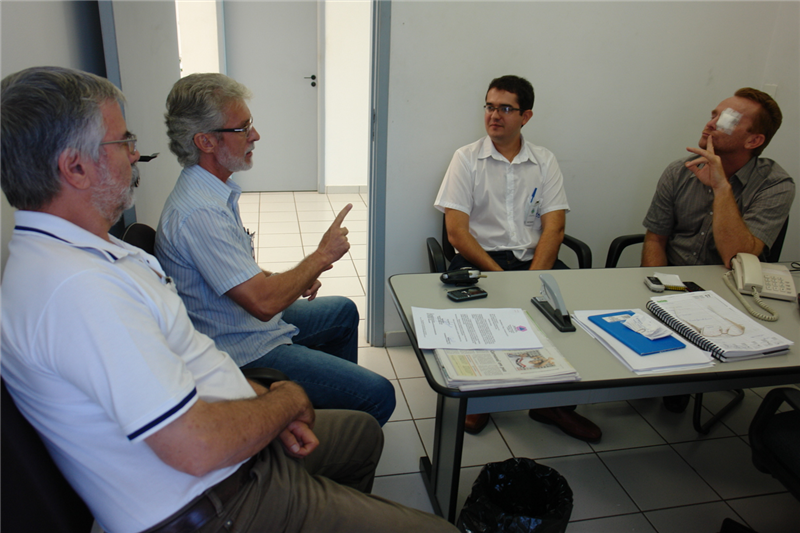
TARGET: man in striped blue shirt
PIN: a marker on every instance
(261, 319)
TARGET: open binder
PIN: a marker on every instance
(714, 325)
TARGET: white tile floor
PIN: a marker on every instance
(650, 473)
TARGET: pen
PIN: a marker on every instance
(534, 193)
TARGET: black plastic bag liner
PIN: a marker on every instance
(517, 496)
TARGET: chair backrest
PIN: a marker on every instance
(141, 235)
(774, 254)
(622, 242)
(447, 248)
(36, 497)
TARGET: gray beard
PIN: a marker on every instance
(233, 164)
(110, 202)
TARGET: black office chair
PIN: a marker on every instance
(440, 255)
(773, 441)
(774, 438)
(622, 242)
(36, 496)
(142, 236)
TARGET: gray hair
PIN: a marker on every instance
(45, 111)
(197, 104)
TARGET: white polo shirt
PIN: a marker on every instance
(504, 200)
(98, 353)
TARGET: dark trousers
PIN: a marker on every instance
(505, 260)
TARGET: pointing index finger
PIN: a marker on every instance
(340, 217)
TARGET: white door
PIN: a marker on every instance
(271, 47)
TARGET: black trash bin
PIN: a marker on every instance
(517, 496)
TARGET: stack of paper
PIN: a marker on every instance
(688, 358)
(511, 350)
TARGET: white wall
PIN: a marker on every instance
(347, 78)
(64, 34)
(621, 90)
(147, 41)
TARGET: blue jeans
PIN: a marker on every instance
(323, 359)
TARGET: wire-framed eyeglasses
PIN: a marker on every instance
(244, 129)
(129, 140)
(503, 109)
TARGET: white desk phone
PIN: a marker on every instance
(768, 280)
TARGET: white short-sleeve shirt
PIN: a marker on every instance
(99, 353)
(504, 200)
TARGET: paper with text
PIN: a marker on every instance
(474, 329)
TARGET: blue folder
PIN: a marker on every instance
(633, 340)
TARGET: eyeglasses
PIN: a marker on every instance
(130, 140)
(246, 129)
(503, 109)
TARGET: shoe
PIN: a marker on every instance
(474, 424)
(676, 404)
(569, 422)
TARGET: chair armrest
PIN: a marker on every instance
(763, 423)
(619, 244)
(772, 401)
(581, 249)
(436, 256)
(264, 376)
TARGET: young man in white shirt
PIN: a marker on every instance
(505, 208)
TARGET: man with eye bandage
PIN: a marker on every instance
(724, 199)
(728, 200)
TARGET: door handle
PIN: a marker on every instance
(312, 77)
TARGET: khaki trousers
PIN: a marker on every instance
(326, 492)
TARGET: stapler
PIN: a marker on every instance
(552, 305)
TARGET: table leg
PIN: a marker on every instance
(441, 473)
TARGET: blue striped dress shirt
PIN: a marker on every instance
(202, 244)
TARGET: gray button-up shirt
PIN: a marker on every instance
(682, 208)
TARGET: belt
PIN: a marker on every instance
(196, 514)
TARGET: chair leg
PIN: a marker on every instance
(698, 407)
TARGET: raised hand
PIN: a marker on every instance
(334, 243)
(711, 172)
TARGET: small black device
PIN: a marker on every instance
(471, 293)
(654, 284)
(691, 286)
(461, 277)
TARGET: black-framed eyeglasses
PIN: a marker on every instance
(130, 140)
(503, 109)
(244, 129)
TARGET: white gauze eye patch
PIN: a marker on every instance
(728, 120)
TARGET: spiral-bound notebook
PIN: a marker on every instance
(714, 325)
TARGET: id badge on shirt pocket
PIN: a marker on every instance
(532, 216)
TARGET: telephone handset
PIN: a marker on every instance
(770, 281)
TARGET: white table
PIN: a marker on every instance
(603, 378)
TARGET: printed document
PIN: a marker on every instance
(474, 329)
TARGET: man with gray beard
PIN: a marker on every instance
(262, 319)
